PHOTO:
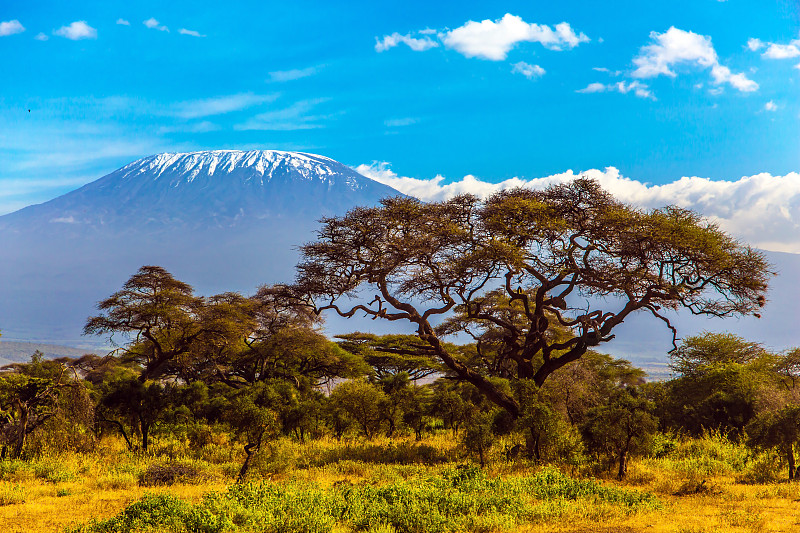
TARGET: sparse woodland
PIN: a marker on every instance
(501, 413)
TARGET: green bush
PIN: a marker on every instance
(461, 498)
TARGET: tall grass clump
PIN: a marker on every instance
(713, 453)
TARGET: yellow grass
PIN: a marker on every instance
(100, 485)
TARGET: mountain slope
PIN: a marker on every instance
(220, 220)
(219, 188)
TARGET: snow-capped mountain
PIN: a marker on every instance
(220, 220)
(203, 189)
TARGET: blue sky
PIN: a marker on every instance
(658, 90)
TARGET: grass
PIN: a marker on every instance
(692, 485)
(457, 499)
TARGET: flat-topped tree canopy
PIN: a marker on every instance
(419, 261)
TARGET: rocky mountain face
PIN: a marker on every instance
(220, 220)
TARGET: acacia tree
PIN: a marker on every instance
(411, 261)
(30, 396)
(157, 313)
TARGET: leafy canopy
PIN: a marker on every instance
(411, 261)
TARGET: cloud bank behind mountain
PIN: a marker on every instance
(762, 210)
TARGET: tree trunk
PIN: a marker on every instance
(792, 468)
(121, 430)
(19, 445)
(623, 464)
(250, 449)
(532, 442)
(145, 427)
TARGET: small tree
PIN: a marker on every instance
(141, 405)
(478, 437)
(362, 402)
(620, 427)
(157, 314)
(30, 396)
(781, 430)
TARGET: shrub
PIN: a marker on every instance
(168, 474)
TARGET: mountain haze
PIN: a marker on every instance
(220, 220)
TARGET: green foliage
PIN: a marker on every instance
(423, 261)
(392, 354)
(478, 436)
(621, 426)
(362, 402)
(700, 353)
(712, 453)
(460, 499)
(780, 430)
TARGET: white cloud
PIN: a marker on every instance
(153, 24)
(755, 44)
(11, 27)
(638, 88)
(770, 106)
(493, 40)
(41, 37)
(678, 47)
(416, 44)
(608, 71)
(219, 105)
(123, 22)
(782, 51)
(64, 220)
(76, 31)
(198, 127)
(294, 74)
(594, 88)
(400, 122)
(722, 74)
(295, 117)
(528, 70)
(192, 33)
(762, 210)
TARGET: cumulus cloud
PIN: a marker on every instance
(41, 37)
(754, 44)
(123, 22)
(191, 33)
(417, 44)
(76, 31)
(11, 27)
(782, 51)
(638, 88)
(772, 50)
(528, 70)
(493, 40)
(770, 106)
(488, 39)
(153, 24)
(762, 210)
(678, 47)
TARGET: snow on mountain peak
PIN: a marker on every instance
(257, 163)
